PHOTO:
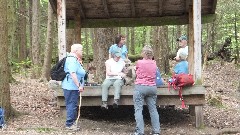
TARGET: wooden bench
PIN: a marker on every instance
(193, 96)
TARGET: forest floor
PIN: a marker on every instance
(38, 115)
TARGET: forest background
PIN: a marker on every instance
(29, 41)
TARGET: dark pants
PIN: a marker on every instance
(71, 101)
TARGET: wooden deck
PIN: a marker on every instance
(193, 96)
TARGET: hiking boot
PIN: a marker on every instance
(104, 105)
(73, 127)
(115, 103)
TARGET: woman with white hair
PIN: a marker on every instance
(182, 65)
(146, 90)
(73, 84)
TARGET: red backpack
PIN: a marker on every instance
(179, 81)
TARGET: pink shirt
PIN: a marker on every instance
(146, 72)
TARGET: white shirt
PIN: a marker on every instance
(115, 67)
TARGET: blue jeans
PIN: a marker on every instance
(149, 94)
(117, 84)
(71, 101)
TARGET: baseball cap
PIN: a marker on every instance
(117, 54)
(183, 37)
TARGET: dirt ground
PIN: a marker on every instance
(39, 114)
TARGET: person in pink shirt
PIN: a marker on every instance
(146, 90)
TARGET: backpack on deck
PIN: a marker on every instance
(158, 78)
(179, 81)
(2, 122)
(57, 71)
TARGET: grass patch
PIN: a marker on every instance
(44, 130)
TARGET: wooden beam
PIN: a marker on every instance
(61, 15)
(104, 2)
(80, 8)
(190, 42)
(135, 22)
(160, 7)
(214, 5)
(133, 8)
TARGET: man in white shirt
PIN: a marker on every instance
(183, 46)
(115, 68)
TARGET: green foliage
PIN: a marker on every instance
(20, 67)
(215, 101)
(44, 130)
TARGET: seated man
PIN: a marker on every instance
(115, 68)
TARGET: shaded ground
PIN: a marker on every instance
(39, 116)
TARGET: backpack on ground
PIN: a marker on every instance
(158, 78)
(57, 71)
(179, 81)
(2, 122)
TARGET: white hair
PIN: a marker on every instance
(76, 47)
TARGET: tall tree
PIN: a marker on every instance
(22, 30)
(4, 66)
(48, 46)
(132, 47)
(35, 39)
(102, 42)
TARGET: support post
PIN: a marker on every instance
(199, 116)
(61, 15)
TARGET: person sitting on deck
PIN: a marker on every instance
(115, 71)
(183, 46)
(182, 65)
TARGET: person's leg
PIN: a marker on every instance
(105, 86)
(71, 101)
(118, 83)
(150, 99)
(138, 99)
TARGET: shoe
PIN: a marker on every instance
(115, 103)
(74, 127)
(104, 105)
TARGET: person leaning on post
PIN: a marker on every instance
(183, 46)
(115, 72)
(73, 84)
(146, 90)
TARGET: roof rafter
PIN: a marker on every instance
(82, 15)
(160, 7)
(104, 2)
(133, 8)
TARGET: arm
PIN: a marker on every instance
(77, 83)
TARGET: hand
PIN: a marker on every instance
(122, 74)
(80, 89)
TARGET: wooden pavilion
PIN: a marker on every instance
(130, 13)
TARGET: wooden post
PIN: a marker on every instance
(61, 15)
(199, 116)
(194, 52)
(77, 28)
(197, 40)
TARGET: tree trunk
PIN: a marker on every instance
(132, 46)
(22, 30)
(237, 60)
(4, 66)
(35, 40)
(164, 50)
(70, 39)
(29, 52)
(102, 43)
(48, 46)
